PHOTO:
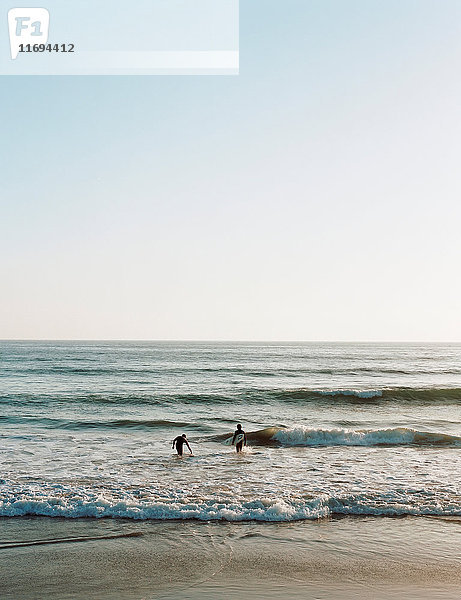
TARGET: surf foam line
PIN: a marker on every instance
(399, 436)
(303, 436)
(265, 509)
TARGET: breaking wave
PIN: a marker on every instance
(304, 436)
(67, 503)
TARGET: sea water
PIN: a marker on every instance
(333, 429)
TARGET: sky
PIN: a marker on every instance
(315, 196)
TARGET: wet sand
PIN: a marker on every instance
(348, 558)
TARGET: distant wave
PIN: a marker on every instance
(366, 397)
(66, 503)
(77, 424)
(51, 367)
(397, 394)
(130, 399)
(304, 436)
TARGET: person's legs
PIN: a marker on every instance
(179, 449)
(239, 447)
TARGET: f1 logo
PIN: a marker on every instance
(27, 26)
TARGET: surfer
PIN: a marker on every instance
(240, 438)
(179, 443)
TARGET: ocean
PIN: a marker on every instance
(334, 429)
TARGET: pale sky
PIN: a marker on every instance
(316, 196)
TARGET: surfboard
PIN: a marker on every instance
(238, 438)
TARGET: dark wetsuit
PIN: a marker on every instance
(239, 446)
(179, 443)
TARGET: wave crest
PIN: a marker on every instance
(397, 394)
(304, 436)
(67, 504)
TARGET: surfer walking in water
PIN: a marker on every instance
(240, 438)
(179, 443)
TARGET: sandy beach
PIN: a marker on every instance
(340, 558)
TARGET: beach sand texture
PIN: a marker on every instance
(341, 558)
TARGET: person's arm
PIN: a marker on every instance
(190, 449)
(244, 438)
(174, 441)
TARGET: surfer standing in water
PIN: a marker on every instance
(240, 438)
(179, 443)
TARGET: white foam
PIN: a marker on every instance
(356, 393)
(303, 436)
(294, 508)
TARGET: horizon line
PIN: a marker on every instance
(226, 341)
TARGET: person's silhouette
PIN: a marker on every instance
(242, 441)
(179, 443)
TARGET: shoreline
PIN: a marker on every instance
(346, 557)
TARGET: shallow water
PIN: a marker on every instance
(352, 429)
